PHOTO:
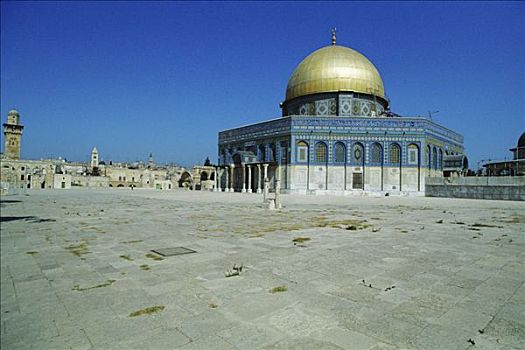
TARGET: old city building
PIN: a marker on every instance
(20, 174)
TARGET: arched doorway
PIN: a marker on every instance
(377, 163)
(186, 180)
(321, 158)
(340, 162)
(414, 159)
(395, 160)
(358, 161)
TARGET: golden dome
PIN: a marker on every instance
(335, 68)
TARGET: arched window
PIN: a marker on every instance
(283, 151)
(320, 152)
(223, 156)
(413, 154)
(302, 151)
(262, 153)
(434, 158)
(395, 154)
(440, 163)
(340, 152)
(237, 158)
(272, 156)
(358, 154)
(377, 153)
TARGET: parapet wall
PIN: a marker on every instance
(485, 187)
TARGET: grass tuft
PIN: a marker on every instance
(132, 241)
(32, 252)
(148, 311)
(514, 220)
(352, 225)
(485, 225)
(126, 257)
(106, 284)
(300, 239)
(154, 257)
(79, 249)
(145, 267)
(278, 289)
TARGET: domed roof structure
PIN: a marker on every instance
(335, 68)
(521, 140)
(13, 112)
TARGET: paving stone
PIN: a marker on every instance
(158, 338)
(248, 336)
(73, 338)
(346, 339)
(415, 314)
(464, 319)
(394, 331)
(303, 344)
(508, 332)
(210, 342)
(206, 324)
(441, 337)
(297, 322)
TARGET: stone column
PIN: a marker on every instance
(249, 178)
(226, 170)
(265, 171)
(243, 169)
(215, 180)
(221, 172)
(266, 189)
(259, 190)
(232, 167)
(278, 192)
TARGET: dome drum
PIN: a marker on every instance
(335, 104)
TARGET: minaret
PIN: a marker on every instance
(151, 162)
(94, 158)
(13, 135)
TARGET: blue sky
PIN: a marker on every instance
(138, 77)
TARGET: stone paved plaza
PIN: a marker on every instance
(78, 271)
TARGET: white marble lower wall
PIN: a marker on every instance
(341, 178)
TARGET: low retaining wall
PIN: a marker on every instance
(486, 187)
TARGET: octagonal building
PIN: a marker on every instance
(336, 135)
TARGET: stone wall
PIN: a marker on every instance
(62, 181)
(90, 181)
(340, 178)
(486, 187)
